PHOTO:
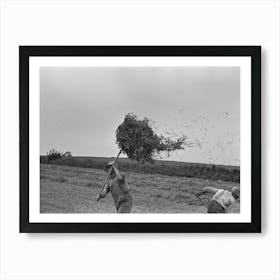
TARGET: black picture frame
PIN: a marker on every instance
(25, 52)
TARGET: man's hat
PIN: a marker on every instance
(109, 165)
(236, 190)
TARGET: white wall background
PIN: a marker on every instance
(139, 256)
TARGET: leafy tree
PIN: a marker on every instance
(54, 154)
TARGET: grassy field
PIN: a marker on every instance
(162, 167)
(71, 189)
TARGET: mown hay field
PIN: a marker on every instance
(71, 189)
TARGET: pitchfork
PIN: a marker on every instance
(108, 176)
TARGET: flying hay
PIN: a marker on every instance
(137, 139)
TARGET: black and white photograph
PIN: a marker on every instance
(140, 139)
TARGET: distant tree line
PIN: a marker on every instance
(169, 168)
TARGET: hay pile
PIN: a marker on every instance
(137, 139)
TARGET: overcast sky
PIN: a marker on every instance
(81, 107)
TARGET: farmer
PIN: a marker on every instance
(222, 199)
(234, 208)
(119, 189)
